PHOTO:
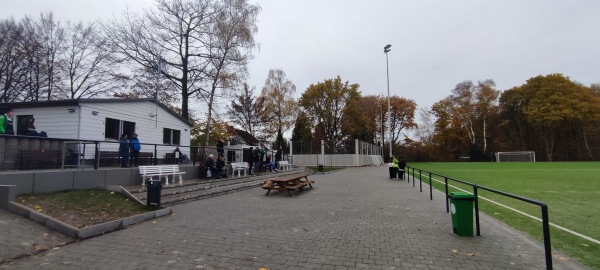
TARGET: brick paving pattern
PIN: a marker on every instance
(20, 236)
(352, 219)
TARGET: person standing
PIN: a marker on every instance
(6, 122)
(256, 160)
(250, 160)
(220, 148)
(401, 166)
(395, 161)
(124, 151)
(134, 143)
(278, 156)
(262, 153)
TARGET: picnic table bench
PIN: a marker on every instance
(171, 158)
(108, 158)
(145, 158)
(161, 171)
(288, 182)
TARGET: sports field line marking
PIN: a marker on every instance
(522, 213)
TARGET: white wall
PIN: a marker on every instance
(341, 160)
(58, 122)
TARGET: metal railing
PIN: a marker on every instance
(18, 153)
(26, 153)
(543, 206)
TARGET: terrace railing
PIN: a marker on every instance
(544, 208)
(18, 153)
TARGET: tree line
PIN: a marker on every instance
(552, 115)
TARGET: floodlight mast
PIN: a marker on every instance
(386, 49)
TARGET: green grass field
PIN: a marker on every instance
(570, 189)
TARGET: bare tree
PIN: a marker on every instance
(426, 127)
(34, 61)
(247, 111)
(149, 84)
(280, 105)
(197, 42)
(13, 71)
(51, 35)
(89, 68)
(41, 61)
(232, 43)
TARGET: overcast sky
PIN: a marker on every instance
(435, 44)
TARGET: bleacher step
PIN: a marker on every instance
(201, 189)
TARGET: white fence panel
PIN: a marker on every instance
(341, 160)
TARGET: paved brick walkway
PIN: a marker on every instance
(352, 219)
(20, 236)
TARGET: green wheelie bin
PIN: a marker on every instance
(461, 209)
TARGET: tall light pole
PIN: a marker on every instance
(386, 49)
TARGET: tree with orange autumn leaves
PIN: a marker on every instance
(340, 113)
(551, 115)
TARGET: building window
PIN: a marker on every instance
(113, 128)
(171, 136)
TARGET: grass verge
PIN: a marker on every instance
(83, 208)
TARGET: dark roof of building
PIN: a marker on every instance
(77, 102)
(246, 137)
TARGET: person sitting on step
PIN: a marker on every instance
(221, 169)
(270, 165)
(212, 167)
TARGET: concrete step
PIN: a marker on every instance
(202, 188)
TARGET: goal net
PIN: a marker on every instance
(523, 156)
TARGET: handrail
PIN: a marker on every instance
(543, 206)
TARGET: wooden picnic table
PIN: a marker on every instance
(288, 182)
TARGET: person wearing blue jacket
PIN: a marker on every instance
(134, 143)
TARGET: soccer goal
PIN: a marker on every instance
(523, 156)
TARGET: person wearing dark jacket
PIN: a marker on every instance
(221, 166)
(124, 151)
(256, 159)
(220, 147)
(184, 158)
(250, 160)
(278, 156)
(401, 166)
(27, 128)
